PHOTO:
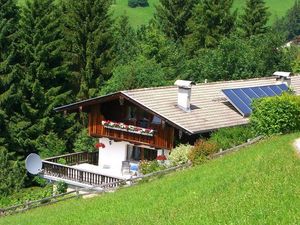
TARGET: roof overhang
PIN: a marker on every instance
(82, 105)
(73, 107)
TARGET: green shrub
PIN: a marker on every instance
(138, 3)
(84, 142)
(62, 161)
(61, 187)
(50, 145)
(179, 155)
(201, 150)
(150, 166)
(276, 115)
(26, 194)
(12, 173)
(229, 137)
(41, 182)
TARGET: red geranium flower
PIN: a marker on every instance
(161, 157)
(99, 145)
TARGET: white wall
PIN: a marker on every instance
(113, 154)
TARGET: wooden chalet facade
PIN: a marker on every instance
(118, 109)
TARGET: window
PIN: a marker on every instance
(135, 153)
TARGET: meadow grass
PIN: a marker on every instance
(257, 185)
(139, 16)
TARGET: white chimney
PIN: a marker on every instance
(184, 94)
(283, 77)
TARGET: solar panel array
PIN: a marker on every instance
(241, 98)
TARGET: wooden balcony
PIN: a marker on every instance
(162, 138)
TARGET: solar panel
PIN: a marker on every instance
(241, 98)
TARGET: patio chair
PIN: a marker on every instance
(125, 167)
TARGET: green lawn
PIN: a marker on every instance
(258, 185)
(140, 16)
(277, 8)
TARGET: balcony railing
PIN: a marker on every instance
(128, 128)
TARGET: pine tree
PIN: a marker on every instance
(172, 16)
(88, 28)
(255, 18)
(43, 83)
(125, 44)
(11, 174)
(9, 16)
(211, 20)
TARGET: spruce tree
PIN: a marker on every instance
(172, 16)
(43, 83)
(125, 43)
(9, 17)
(211, 20)
(88, 28)
(254, 19)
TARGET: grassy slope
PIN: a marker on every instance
(259, 185)
(140, 16)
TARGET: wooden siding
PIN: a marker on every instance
(163, 137)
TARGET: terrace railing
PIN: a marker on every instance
(77, 158)
(77, 175)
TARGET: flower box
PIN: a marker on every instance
(127, 128)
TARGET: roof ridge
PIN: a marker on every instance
(234, 81)
(198, 84)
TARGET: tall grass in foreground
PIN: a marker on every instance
(258, 185)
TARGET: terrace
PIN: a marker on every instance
(80, 169)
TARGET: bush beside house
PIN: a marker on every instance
(232, 136)
(276, 115)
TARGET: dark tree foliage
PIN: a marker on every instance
(211, 21)
(290, 23)
(254, 19)
(9, 16)
(44, 78)
(139, 73)
(11, 174)
(89, 42)
(153, 44)
(237, 58)
(171, 17)
(125, 45)
(138, 3)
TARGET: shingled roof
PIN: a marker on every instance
(210, 110)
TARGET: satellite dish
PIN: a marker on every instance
(33, 163)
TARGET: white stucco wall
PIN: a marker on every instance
(113, 154)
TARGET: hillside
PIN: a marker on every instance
(259, 185)
(139, 16)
